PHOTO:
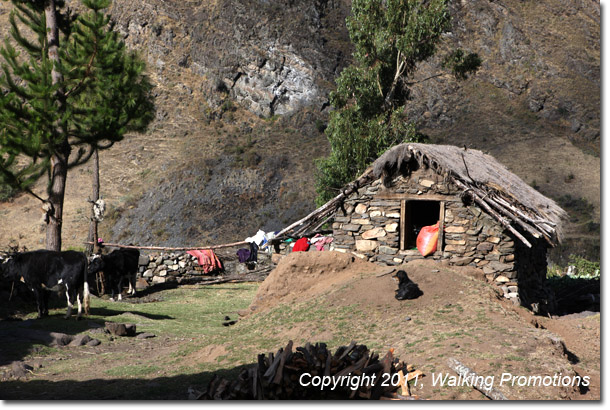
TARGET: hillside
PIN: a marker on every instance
(241, 95)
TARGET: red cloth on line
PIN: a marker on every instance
(206, 259)
(302, 245)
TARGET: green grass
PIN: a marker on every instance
(183, 312)
(132, 371)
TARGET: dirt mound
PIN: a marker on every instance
(304, 275)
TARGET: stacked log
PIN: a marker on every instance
(313, 372)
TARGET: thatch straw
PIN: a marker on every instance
(484, 176)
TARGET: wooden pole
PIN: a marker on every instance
(476, 380)
(165, 248)
(92, 237)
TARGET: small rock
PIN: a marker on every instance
(60, 339)
(374, 233)
(20, 370)
(93, 342)
(361, 208)
(407, 318)
(141, 284)
(145, 336)
(80, 340)
(121, 329)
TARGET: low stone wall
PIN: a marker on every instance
(180, 267)
(167, 267)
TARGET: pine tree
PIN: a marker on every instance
(67, 84)
(390, 37)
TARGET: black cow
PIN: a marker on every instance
(407, 289)
(118, 265)
(44, 270)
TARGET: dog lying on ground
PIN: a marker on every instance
(407, 289)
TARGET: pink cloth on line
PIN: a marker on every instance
(320, 243)
(206, 259)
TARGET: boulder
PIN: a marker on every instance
(121, 329)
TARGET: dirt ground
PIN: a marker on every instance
(336, 298)
(506, 338)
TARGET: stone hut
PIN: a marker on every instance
(488, 217)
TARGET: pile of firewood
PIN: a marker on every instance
(313, 372)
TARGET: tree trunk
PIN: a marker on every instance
(59, 160)
(59, 173)
(94, 197)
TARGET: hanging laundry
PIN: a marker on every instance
(320, 241)
(253, 252)
(302, 245)
(258, 239)
(207, 259)
(243, 255)
(248, 255)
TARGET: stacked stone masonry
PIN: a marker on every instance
(370, 229)
(167, 267)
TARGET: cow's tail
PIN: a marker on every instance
(86, 293)
(87, 298)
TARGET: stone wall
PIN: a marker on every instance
(167, 267)
(180, 267)
(370, 229)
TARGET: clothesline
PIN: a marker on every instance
(188, 248)
(165, 248)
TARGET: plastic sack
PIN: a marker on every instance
(427, 239)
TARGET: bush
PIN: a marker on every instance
(6, 192)
(582, 269)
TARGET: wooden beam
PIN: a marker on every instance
(493, 213)
(330, 205)
(165, 248)
(441, 227)
(476, 381)
(422, 197)
(403, 225)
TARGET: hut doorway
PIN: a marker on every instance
(415, 214)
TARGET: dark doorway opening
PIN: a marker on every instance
(417, 215)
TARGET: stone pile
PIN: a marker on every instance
(168, 267)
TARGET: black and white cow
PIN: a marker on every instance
(118, 266)
(44, 270)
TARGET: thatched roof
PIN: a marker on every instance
(517, 206)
